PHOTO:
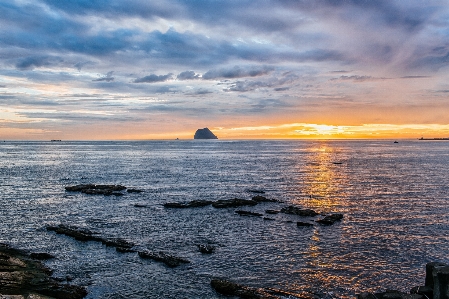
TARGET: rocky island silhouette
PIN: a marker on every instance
(204, 134)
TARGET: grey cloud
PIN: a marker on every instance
(32, 62)
(188, 75)
(107, 78)
(237, 72)
(248, 85)
(153, 78)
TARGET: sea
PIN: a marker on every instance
(394, 198)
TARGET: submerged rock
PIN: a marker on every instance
(248, 213)
(41, 256)
(204, 134)
(131, 190)
(190, 204)
(233, 203)
(206, 248)
(23, 276)
(272, 211)
(230, 288)
(256, 191)
(169, 260)
(303, 224)
(80, 234)
(330, 219)
(297, 211)
(94, 189)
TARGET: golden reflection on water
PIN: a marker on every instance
(324, 182)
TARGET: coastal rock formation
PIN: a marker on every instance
(303, 224)
(233, 203)
(330, 219)
(230, 288)
(24, 277)
(97, 189)
(248, 213)
(297, 211)
(190, 204)
(259, 198)
(206, 248)
(204, 134)
(169, 260)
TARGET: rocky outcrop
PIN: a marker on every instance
(230, 288)
(297, 211)
(303, 224)
(83, 234)
(248, 213)
(233, 203)
(206, 248)
(26, 277)
(204, 134)
(169, 260)
(272, 212)
(132, 190)
(97, 189)
(330, 219)
(190, 204)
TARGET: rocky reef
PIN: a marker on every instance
(23, 276)
(204, 134)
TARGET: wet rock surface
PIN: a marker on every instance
(330, 219)
(233, 203)
(248, 213)
(303, 224)
(259, 198)
(206, 248)
(26, 277)
(230, 288)
(160, 256)
(94, 189)
(190, 204)
(298, 211)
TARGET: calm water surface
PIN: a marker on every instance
(394, 197)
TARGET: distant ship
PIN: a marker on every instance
(53, 140)
(422, 138)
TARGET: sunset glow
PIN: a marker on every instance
(277, 69)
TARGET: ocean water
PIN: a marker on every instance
(394, 197)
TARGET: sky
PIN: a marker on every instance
(138, 69)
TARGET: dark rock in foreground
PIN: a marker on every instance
(41, 256)
(80, 234)
(169, 260)
(22, 275)
(233, 203)
(204, 134)
(206, 248)
(190, 204)
(297, 211)
(229, 288)
(330, 219)
(248, 213)
(97, 189)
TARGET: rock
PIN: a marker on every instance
(23, 276)
(441, 282)
(268, 218)
(297, 211)
(80, 234)
(41, 256)
(206, 248)
(330, 219)
(303, 224)
(97, 189)
(117, 242)
(248, 213)
(229, 288)
(134, 191)
(366, 295)
(233, 203)
(423, 290)
(169, 260)
(191, 204)
(259, 198)
(272, 211)
(204, 134)
(430, 267)
(138, 205)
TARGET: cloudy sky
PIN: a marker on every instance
(138, 69)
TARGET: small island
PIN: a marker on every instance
(204, 134)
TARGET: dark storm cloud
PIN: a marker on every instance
(188, 75)
(154, 78)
